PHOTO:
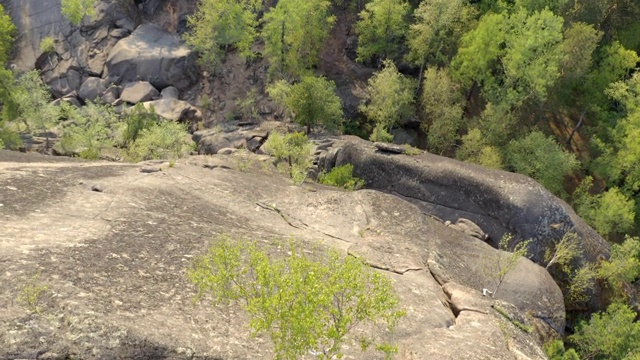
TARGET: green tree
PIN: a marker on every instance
(341, 176)
(33, 106)
(294, 34)
(292, 150)
(76, 10)
(167, 140)
(389, 97)
(555, 351)
(218, 24)
(514, 57)
(622, 268)
(475, 149)
(303, 305)
(541, 158)
(611, 335)
(312, 101)
(438, 26)
(8, 138)
(441, 102)
(381, 29)
(90, 131)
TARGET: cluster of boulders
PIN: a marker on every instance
(109, 59)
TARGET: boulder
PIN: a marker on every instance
(154, 55)
(111, 95)
(91, 89)
(170, 92)
(174, 109)
(139, 91)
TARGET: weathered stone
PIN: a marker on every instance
(176, 110)
(139, 91)
(91, 89)
(405, 136)
(170, 92)
(127, 24)
(390, 148)
(119, 33)
(469, 227)
(154, 55)
(111, 94)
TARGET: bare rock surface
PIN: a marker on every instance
(114, 262)
(154, 55)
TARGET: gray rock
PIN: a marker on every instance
(119, 33)
(211, 143)
(154, 55)
(176, 110)
(139, 91)
(405, 136)
(111, 95)
(150, 169)
(97, 188)
(74, 79)
(390, 148)
(469, 227)
(91, 89)
(170, 92)
(126, 24)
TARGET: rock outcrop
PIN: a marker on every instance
(154, 55)
(111, 245)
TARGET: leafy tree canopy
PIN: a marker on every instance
(381, 29)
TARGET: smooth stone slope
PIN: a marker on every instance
(112, 243)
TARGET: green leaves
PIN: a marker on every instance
(612, 335)
(7, 33)
(76, 10)
(312, 101)
(341, 176)
(381, 29)
(304, 305)
(389, 97)
(218, 24)
(294, 33)
(541, 158)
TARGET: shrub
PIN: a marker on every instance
(294, 149)
(33, 101)
(47, 45)
(612, 335)
(166, 140)
(380, 134)
(475, 149)
(304, 305)
(341, 176)
(88, 131)
(31, 294)
(138, 119)
(555, 351)
(76, 10)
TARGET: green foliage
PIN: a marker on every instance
(611, 335)
(47, 45)
(312, 101)
(582, 280)
(7, 34)
(76, 10)
(380, 134)
(555, 351)
(514, 57)
(303, 305)
(389, 97)
(295, 149)
(33, 103)
(442, 110)
(381, 28)
(341, 176)
(609, 213)
(438, 26)
(507, 262)
(247, 105)
(31, 294)
(294, 34)
(564, 251)
(88, 131)
(541, 158)
(475, 149)
(136, 120)
(218, 24)
(622, 268)
(166, 139)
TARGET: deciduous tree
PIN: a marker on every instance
(381, 29)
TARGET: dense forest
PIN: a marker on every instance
(545, 88)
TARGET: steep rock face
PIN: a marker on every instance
(112, 243)
(154, 55)
(499, 202)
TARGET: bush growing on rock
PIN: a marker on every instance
(88, 130)
(293, 150)
(163, 140)
(312, 101)
(341, 176)
(304, 305)
(76, 10)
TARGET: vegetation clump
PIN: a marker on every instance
(292, 153)
(341, 176)
(304, 305)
